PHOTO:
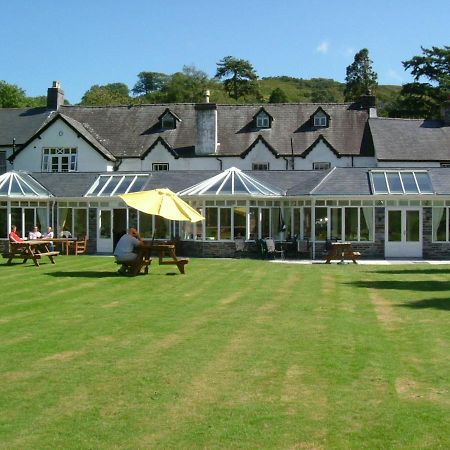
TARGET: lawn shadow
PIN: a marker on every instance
(98, 274)
(85, 274)
(404, 285)
(431, 271)
(435, 303)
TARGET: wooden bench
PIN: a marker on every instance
(180, 263)
(341, 251)
(29, 250)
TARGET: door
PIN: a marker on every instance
(104, 232)
(403, 229)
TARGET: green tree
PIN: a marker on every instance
(149, 82)
(107, 95)
(423, 99)
(278, 96)
(239, 77)
(11, 96)
(186, 86)
(360, 79)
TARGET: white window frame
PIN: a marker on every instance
(160, 167)
(321, 165)
(260, 166)
(320, 120)
(53, 159)
(262, 120)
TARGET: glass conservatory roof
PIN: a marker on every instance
(231, 182)
(401, 182)
(113, 185)
(20, 184)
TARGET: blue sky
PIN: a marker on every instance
(87, 42)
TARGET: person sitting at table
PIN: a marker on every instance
(49, 235)
(35, 234)
(64, 233)
(13, 236)
(125, 251)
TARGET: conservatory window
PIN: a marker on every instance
(401, 182)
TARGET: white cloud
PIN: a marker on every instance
(323, 47)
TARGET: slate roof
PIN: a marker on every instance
(410, 140)
(338, 181)
(129, 131)
(20, 123)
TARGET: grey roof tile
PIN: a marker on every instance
(410, 140)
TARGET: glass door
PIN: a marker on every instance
(403, 237)
(104, 232)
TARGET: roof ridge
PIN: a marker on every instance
(323, 179)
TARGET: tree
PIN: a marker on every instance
(186, 86)
(423, 99)
(149, 82)
(11, 96)
(239, 77)
(107, 95)
(278, 96)
(360, 79)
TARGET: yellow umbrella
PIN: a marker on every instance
(162, 202)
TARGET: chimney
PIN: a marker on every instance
(55, 96)
(206, 127)
(207, 94)
(445, 112)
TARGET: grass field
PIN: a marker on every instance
(236, 354)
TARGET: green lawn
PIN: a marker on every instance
(236, 354)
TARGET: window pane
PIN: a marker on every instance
(439, 222)
(211, 223)
(16, 219)
(225, 223)
(412, 226)
(306, 223)
(162, 228)
(365, 223)
(265, 223)
(394, 226)
(395, 185)
(253, 231)
(336, 223)
(379, 183)
(321, 224)
(79, 222)
(351, 224)
(3, 223)
(145, 225)
(105, 224)
(239, 222)
(29, 220)
(424, 182)
(409, 183)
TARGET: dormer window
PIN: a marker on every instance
(262, 119)
(320, 120)
(168, 122)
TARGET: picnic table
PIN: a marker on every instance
(341, 251)
(33, 249)
(166, 256)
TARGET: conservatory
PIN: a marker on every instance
(383, 212)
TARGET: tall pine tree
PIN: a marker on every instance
(361, 78)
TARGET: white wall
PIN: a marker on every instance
(59, 134)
